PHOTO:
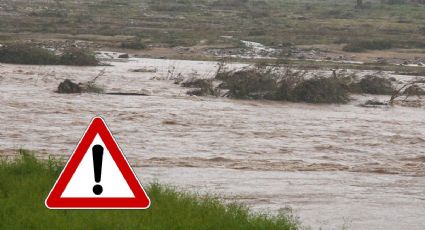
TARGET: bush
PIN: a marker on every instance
(373, 85)
(257, 32)
(321, 90)
(135, 44)
(78, 57)
(360, 46)
(283, 85)
(203, 87)
(287, 84)
(422, 30)
(32, 55)
(414, 90)
(197, 83)
(249, 84)
(27, 54)
(230, 4)
(171, 5)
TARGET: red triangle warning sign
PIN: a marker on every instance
(97, 176)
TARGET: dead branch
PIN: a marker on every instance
(398, 93)
(101, 73)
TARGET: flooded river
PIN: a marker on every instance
(335, 166)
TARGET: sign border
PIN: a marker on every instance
(140, 199)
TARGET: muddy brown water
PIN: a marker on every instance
(335, 166)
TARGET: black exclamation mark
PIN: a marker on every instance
(97, 165)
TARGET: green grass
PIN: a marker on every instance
(26, 181)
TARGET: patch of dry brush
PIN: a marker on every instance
(283, 84)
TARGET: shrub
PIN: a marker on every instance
(171, 5)
(230, 4)
(197, 83)
(321, 90)
(19, 53)
(422, 30)
(257, 32)
(26, 54)
(135, 44)
(258, 12)
(202, 87)
(249, 84)
(78, 57)
(284, 85)
(373, 85)
(360, 46)
(414, 90)
(287, 84)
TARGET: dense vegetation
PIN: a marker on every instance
(26, 54)
(379, 44)
(78, 57)
(19, 53)
(284, 85)
(26, 181)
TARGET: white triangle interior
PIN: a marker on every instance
(112, 181)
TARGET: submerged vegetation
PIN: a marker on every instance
(285, 85)
(21, 53)
(26, 182)
(201, 87)
(321, 90)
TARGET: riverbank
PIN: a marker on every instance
(26, 182)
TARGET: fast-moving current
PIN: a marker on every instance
(334, 166)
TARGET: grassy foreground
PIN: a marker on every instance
(26, 181)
